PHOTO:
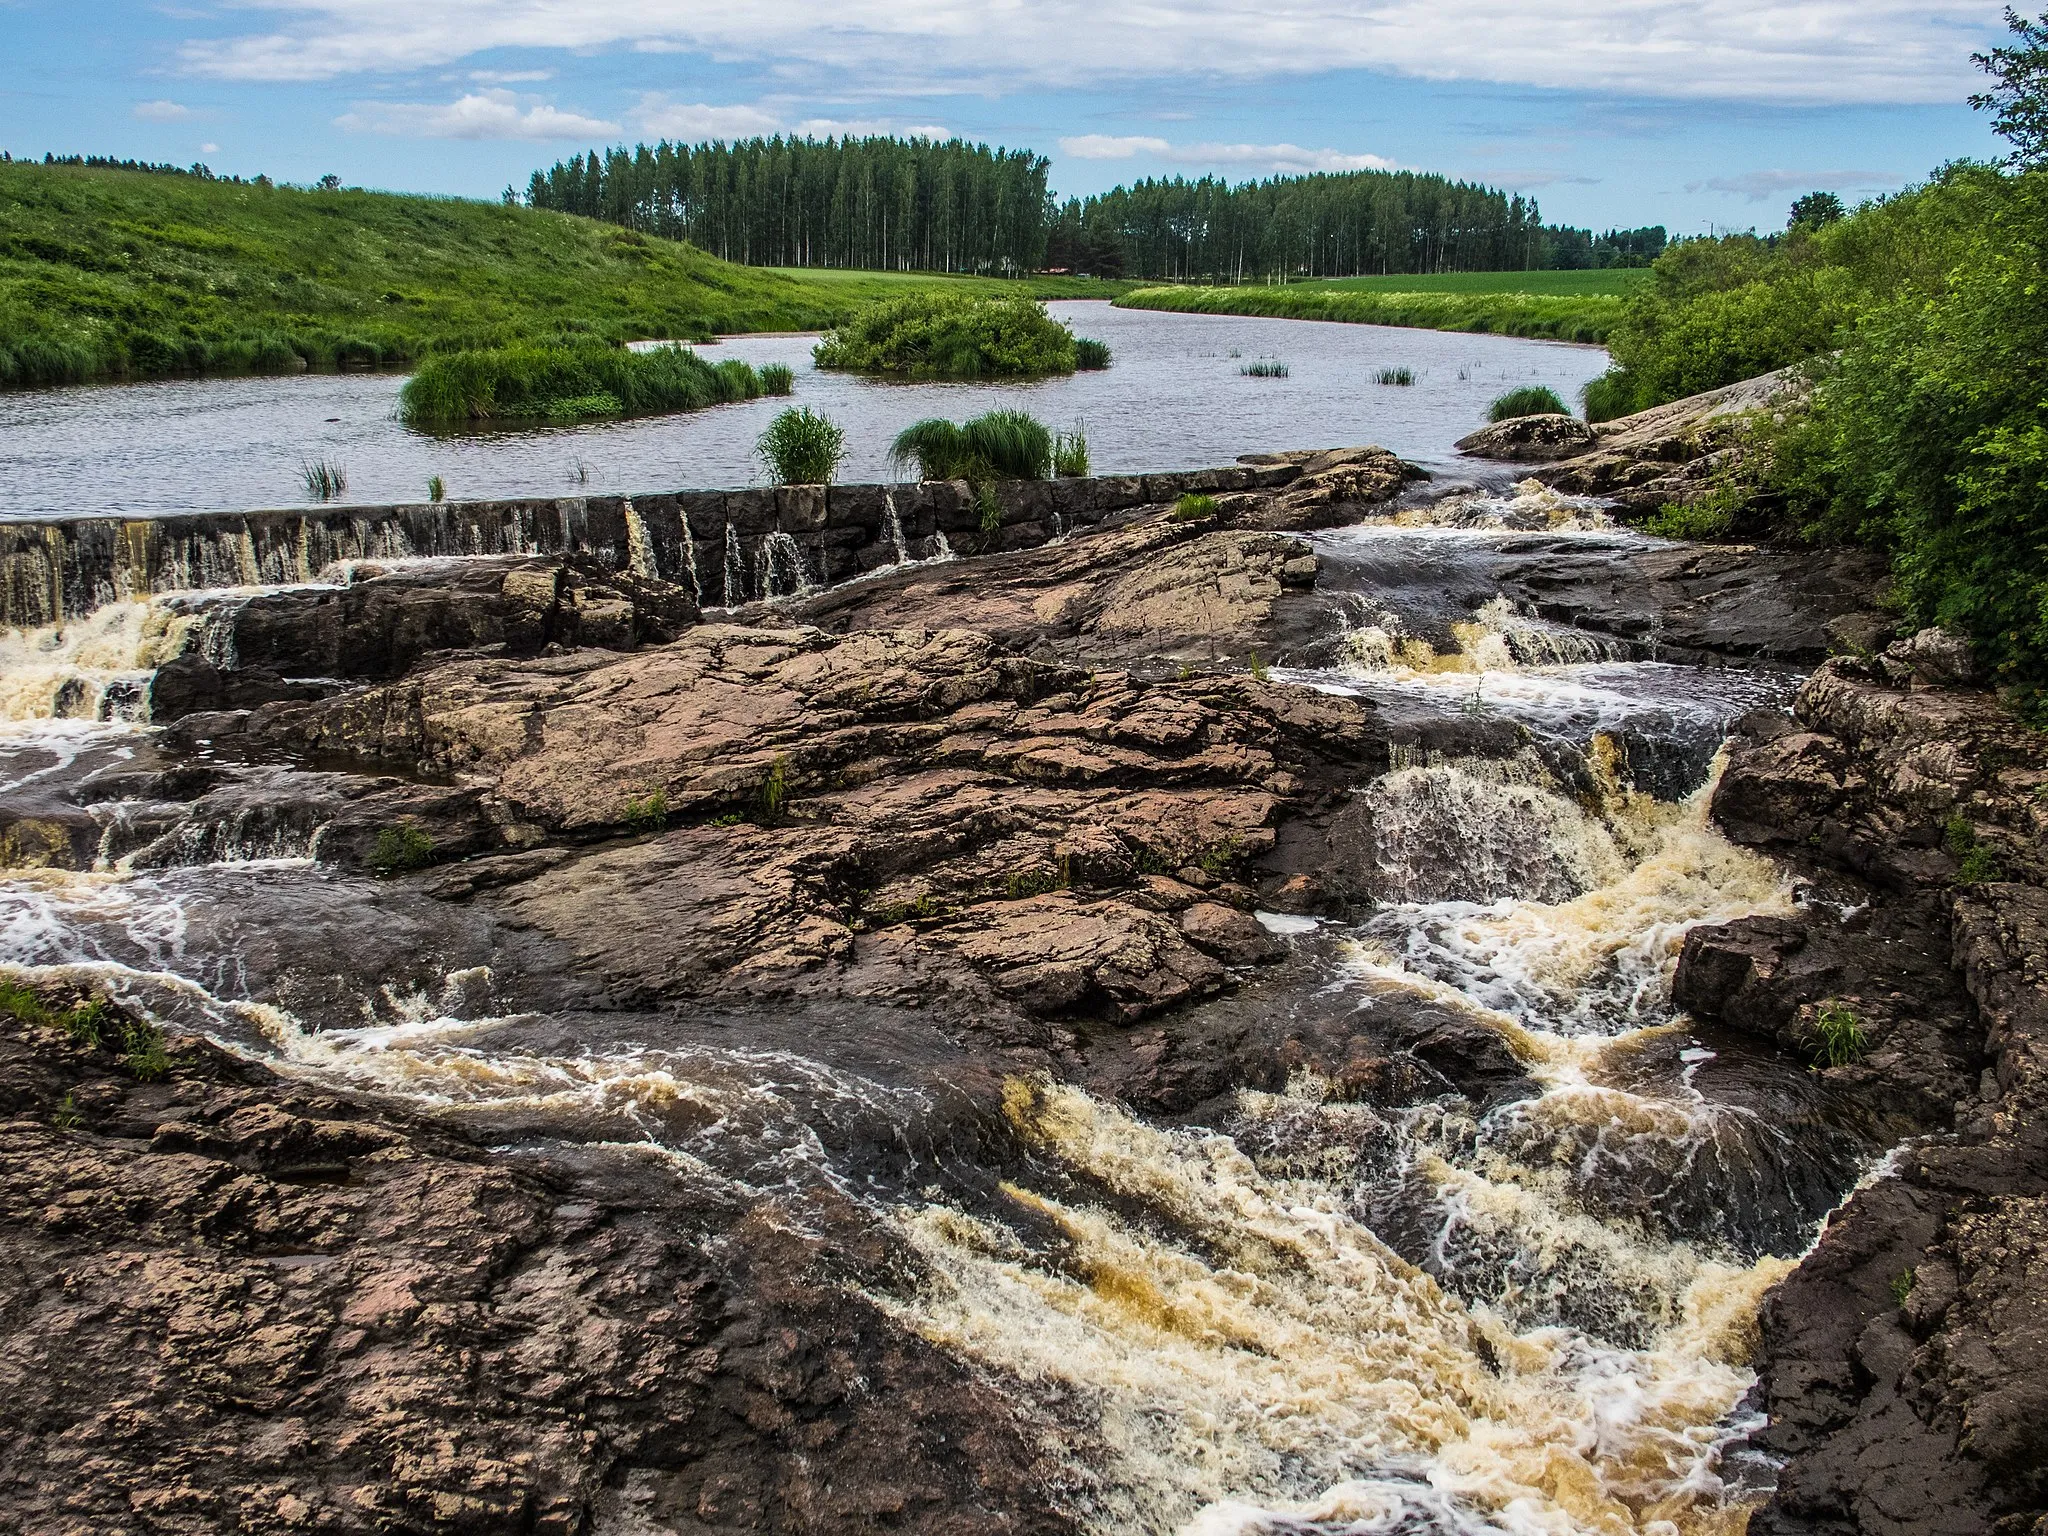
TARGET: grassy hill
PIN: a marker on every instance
(1567, 306)
(126, 274)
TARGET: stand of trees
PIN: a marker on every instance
(877, 204)
(1576, 250)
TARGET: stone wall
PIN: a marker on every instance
(731, 546)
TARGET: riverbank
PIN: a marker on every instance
(1426, 303)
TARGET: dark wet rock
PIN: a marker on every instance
(1329, 488)
(1903, 1361)
(1529, 439)
(233, 1303)
(305, 641)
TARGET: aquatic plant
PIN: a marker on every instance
(436, 490)
(776, 378)
(1265, 368)
(938, 335)
(1527, 400)
(324, 480)
(578, 381)
(1090, 355)
(997, 445)
(1839, 1037)
(802, 447)
(1193, 507)
(1403, 375)
(1070, 454)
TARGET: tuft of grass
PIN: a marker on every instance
(66, 1116)
(324, 480)
(1264, 368)
(1090, 356)
(1257, 667)
(143, 1047)
(997, 445)
(648, 815)
(776, 378)
(802, 447)
(1976, 862)
(932, 334)
(1403, 375)
(401, 847)
(95, 1026)
(1193, 507)
(1902, 1286)
(1528, 400)
(1070, 454)
(437, 490)
(1840, 1036)
(773, 795)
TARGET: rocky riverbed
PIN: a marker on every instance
(1282, 1020)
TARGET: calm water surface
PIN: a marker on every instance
(1175, 399)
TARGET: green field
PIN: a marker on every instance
(1563, 306)
(859, 286)
(124, 274)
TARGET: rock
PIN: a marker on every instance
(1529, 439)
(1234, 937)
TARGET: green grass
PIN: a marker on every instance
(1070, 454)
(997, 445)
(1402, 376)
(801, 447)
(1840, 1037)
(861, 287)
(1264, 368)
(1614, 282)
(1528, 400)
(567, 383)
(1193, 507)
(122, 274)
(1519, 312)
(925, 334)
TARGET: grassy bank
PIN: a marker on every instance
(1527, 310)
(122, 274)
(860, 287)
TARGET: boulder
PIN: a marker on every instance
(1529, 439)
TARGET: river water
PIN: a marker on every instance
(1309, 1314)
(1174, 399)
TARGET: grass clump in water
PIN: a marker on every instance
(1529, 400)
(1264, 368)
(776, 378)
(1194, 507)
(802, 447)
(436, 489)
(1839, 1036)
(324, 480)
(1090, 356)
(561, 382)
(937, 335)
(1070, 454)
(997, 445)
(1403, 375)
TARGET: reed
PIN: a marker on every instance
(776, 378)
(802, 447)
(1070, 454)
(436, 490)
(1265, 368)
(1529, 400)
(998, 445)
(1090, 355)
(323, 478)
(1402, 376)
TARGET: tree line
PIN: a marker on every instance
(951, 206)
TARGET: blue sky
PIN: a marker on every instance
(1689, 113)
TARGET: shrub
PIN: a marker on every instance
(937, 335)
(567, 382)
(1403, 375)
(1265, 368)
(401, 847)
(776, 378)
(1706, 520)
(649, 815)
(1070, 454)
(323, 479)
(1090, 355)
(1529, 400)
(802, 447)
(1193, 507)
(997, 445)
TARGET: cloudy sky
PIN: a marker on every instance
(1689, 113)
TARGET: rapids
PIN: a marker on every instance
(1303, 1314)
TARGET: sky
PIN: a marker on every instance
(1695, 114)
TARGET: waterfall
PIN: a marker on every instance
(690, 564)
(941, 550)
(780, 550)
(640, 548)
(895, 525)
(735, 569)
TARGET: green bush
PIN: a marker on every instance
(567, 382)
(1090, 355)
(401, 847)
(776, 378)
(1529, 400)
(997, 445)
(1706, 520)
(937, 335)
(802, 447)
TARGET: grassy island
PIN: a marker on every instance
(937, 335)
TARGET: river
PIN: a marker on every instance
(1175, 398)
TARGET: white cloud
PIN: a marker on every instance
(868, 127)
(510, 76)
(1103, 146)
(1260, 157)
(479, 115)
(161, 111)
(209, 149)
(1888, 51)
(1762, 186)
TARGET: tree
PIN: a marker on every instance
(329, 183)
(2019, 101)
(1816, 210)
